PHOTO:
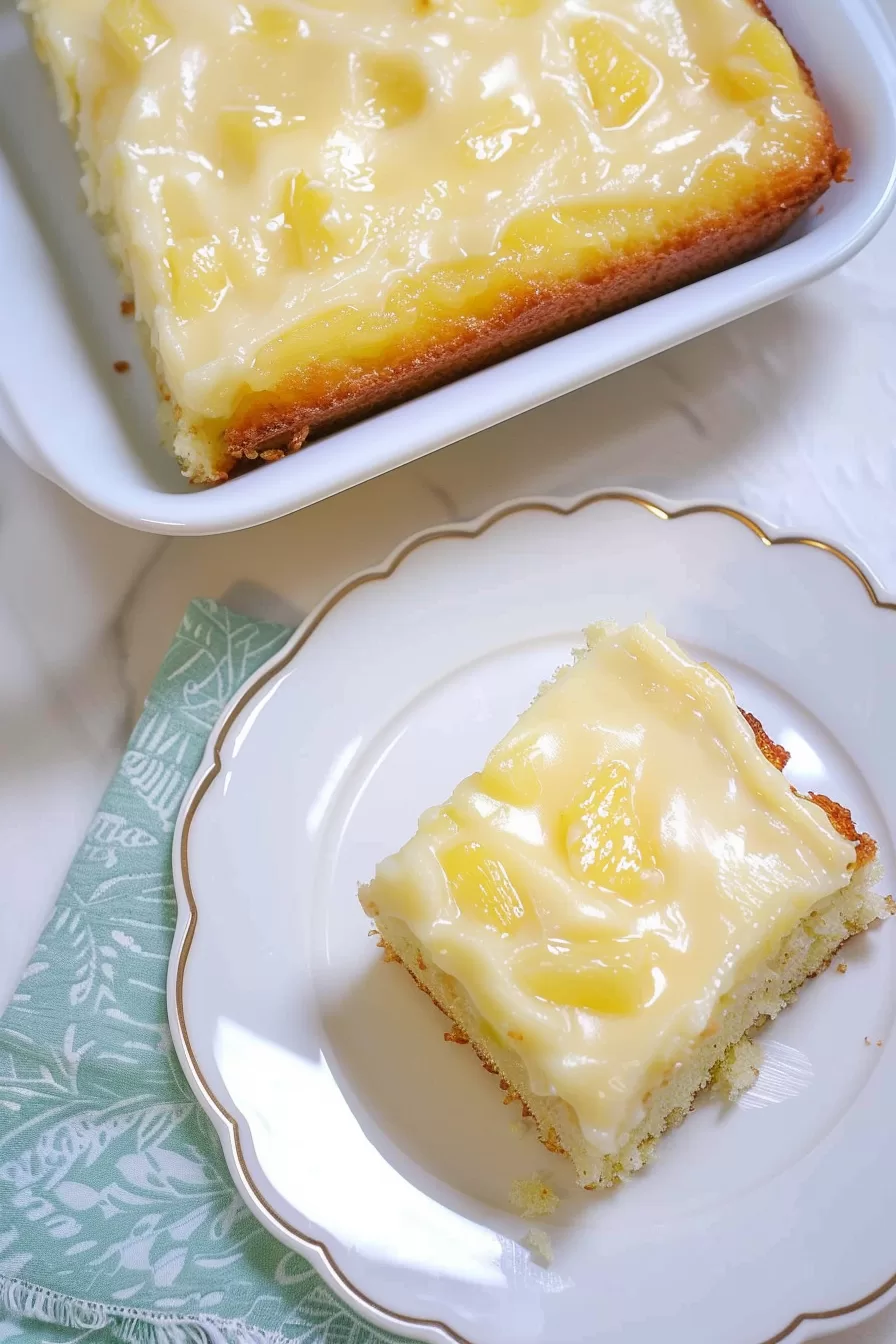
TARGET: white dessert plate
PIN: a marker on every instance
(384, 1155)
(65, 411)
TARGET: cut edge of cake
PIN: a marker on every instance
(804, 953)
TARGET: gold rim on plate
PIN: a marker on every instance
(467, 532)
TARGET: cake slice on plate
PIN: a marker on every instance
(626, 890)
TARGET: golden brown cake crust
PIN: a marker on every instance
(839, 816)
(773, 753)
(279, 420)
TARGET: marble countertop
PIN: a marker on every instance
(789, 413)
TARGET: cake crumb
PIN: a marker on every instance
(457, 1037)
(127, 307)
(121, 366)
(739, 1069)
(841, 967)
(867, 1040)
(532, 1197)
(880, 1042)
(539, 1243)
(890, 903)
(552, 1142)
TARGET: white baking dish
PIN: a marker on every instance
(64, 409)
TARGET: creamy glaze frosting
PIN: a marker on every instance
(264, 164)
(626, 856)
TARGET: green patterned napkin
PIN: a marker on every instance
(118, 1219)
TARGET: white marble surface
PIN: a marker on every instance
(789, 413)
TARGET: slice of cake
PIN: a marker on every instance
(626, 889)
(323, 208)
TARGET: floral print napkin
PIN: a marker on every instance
(118, 1219)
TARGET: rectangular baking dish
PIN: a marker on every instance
(67, 413)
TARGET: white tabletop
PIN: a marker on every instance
(789, 413)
